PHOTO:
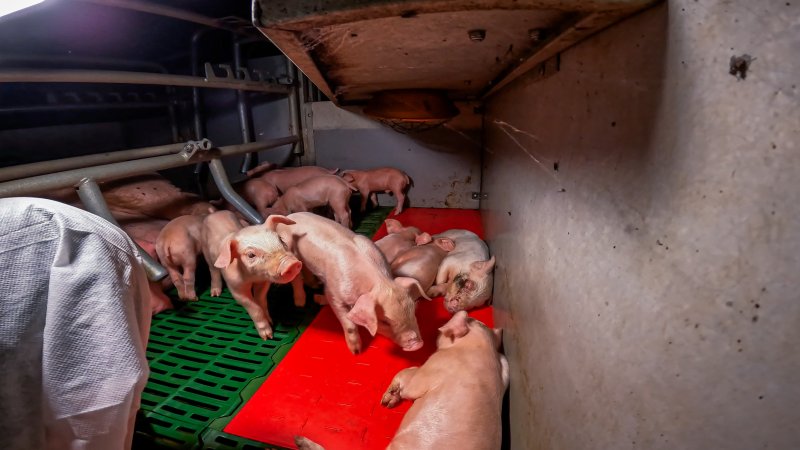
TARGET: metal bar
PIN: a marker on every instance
(245, 114)
(294, 113)
(93, 200)
(121, 77)
(57, 165)
(225, 188)
(306, 126)
(165, 11)
(44, 183)
(80, 107)
(200, 171)
(9, 60)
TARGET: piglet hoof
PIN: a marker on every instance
(355, 347)
(392, 397)
(265, 332)
(215, 292)
(320, 299)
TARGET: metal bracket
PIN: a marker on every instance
(193, 147)
(480, 196)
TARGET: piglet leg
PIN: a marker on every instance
(401, 199)
(177, 280)
(350, 329)
(188, 281)
(244, 296)
(401, 387)
(216, 282)
(298, 291)
(437, 290)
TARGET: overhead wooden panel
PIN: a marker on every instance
(469, 48)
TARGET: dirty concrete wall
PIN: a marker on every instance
(445, 175)
(643, 207)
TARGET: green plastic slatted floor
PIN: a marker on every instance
(206, 360)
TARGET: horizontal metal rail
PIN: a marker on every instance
(58, 165)
(164, 11)
(122, 77)
(70, 178)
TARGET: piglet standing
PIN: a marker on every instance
(314, 192)
(400, 239)
(384, 179)
(421, 262)
(358, 283)
(249, 259)
(287, 177)
(465, 276)
(177, 246)
(457, 393)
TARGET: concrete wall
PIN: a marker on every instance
(643, 207)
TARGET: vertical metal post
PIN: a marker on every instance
(294, 107)
(200, 170)
(306, 122)
(93, 200)
(245, 114)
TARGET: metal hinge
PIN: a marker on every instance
(480, 196)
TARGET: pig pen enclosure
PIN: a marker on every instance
(631, 165)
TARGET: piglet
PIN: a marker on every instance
(465, 276)
(421, 262)
(287, 177)
(400, 239)
(358, 283)
(384, 179)
(314, 192)
(249, 259)
(177, 246)
(457, 393)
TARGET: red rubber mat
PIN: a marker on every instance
(321, 391)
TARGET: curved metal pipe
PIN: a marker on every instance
(93, 200)
(225, 188)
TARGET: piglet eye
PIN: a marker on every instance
(251, 255)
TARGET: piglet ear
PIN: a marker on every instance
(456, 327)
(393, 226)
(363, 313)
(273, 221)
(227, 251)
(412, 286)
(445, 244)
(423, 238)
(483, 266)
(347, 176)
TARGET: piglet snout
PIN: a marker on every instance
(413, 344)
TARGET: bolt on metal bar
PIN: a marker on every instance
(121, 77)
(93, 200)
(106, 172)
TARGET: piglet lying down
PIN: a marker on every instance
(457, 393)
